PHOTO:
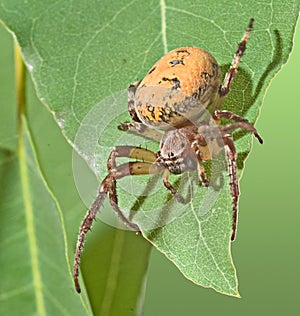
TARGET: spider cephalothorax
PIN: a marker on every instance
(176, 153)
(175, 96)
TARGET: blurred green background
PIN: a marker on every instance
(266, 251)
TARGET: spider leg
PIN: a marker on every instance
(221, 133)
(225, 87)
(132, 168)
(231, 155)
(232, 127)
(129, 152)
(169, 186)
(146, 166)
(140, 128)
(201, 174)
(108, 186)
(131, 108)
(137, 126)
(202, 153)
(85, 227)
(113, 200)
(233, 177)
(240, 123)
(142, 168)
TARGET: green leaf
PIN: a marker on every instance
(33, 233)
(115, 275)
(8, 118)
(54, 159)
(81, 53)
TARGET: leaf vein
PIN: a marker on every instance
(208, 249)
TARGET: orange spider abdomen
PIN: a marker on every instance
(178, 88)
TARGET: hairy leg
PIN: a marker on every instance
(230, 75)
(108, 186)
(131, 108)
(141, 129)
(241, 123)
(233, 178)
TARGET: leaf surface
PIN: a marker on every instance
(55, 169)
(32, 235)
(79, 54)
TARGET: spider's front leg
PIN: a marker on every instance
(108, 187)
(87, 223)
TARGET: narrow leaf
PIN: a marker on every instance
(32, 235)
(81, 54)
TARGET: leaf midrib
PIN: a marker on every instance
(30, 226)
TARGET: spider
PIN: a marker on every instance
(174, 97)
